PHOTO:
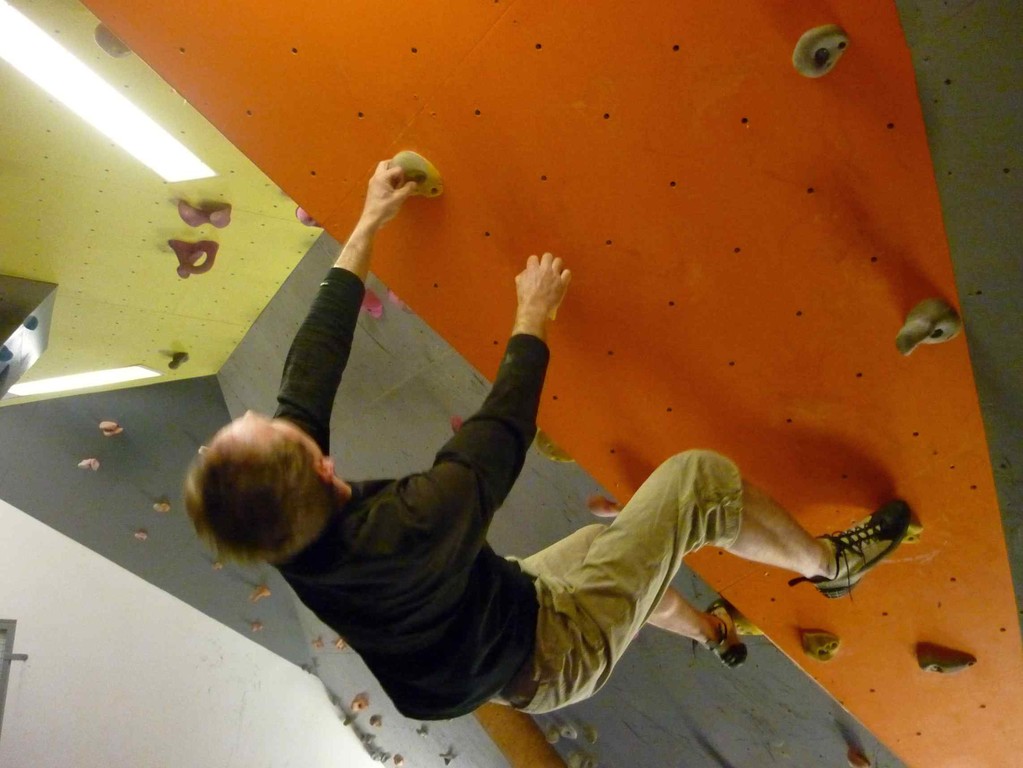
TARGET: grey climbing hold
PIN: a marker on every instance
(110, 42)
(819, 49)
(932, 321)
(937, 658)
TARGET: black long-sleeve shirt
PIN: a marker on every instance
(403, 570)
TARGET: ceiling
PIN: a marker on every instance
(723, 302)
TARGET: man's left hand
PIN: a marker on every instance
(385, 195)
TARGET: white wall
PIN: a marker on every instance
(122, 674)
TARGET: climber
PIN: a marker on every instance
(402, 568)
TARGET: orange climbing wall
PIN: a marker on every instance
(745, 244)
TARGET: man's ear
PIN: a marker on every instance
(325, 469)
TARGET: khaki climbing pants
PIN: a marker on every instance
(598, 586)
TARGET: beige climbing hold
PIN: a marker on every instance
(552, 734)
(420, 170)
(256, 626)
(937, 658)
(360, 702)
(92, 464)
(110, 428)
(163, 507)
(932, 321)
(376, 721)
(819, 49)
(549, 449)
(340, 644)
(914, 531)
(141, 534)
(260, 592)
(217, 565)
(819, 644)
(857, 759)
(590, 734)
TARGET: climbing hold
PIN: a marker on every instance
(256, 626)
(5, 354)
(110, 428)
(552, 734)
(376, 721)
(318, 642)
(857, 759)
(194, 258)
(449, 756)
(743, 626)
(568, 731)
(162, 507)
(602, 506)
(393, 298)
(31, 322)
(932, 321)
(938, 658)
(819, 644)
(110, 43)
(420, 170)
(217, 565)
(259, 593)
(141, 534)
(92, 464)
(819, 49)
(177, 358)
(340, 644)
(590, 734)
(305, 218)
(218, 216)
(456, 423)
(372, 305)
(549, 448)
(399, 761)
(914, 531)
(360, 702)
(581, 759)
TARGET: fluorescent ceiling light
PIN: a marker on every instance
(41, 59)
(83, 380)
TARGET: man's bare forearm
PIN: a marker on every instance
(356, 255)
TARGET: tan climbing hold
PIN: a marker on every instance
(819, 644)
(590, 734)
(913, 532)
(340, 644)
(549, 449)
(110, 428)
(857, 759)
(163, 507)
(581, 759)
(259, 593)
(217, 565)
(937, 658)
(552, 734)
(420, 170)
(819, 49)
(399, 761)
(932, 321)
(317, 642)
(360, 702)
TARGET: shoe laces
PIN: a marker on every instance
(852, 540)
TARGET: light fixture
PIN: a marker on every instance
(82, 380)
(41, 59)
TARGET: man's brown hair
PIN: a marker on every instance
(257, 503)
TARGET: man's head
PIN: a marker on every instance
(262, 490)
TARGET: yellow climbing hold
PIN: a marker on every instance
(420, 170)
(549, 449)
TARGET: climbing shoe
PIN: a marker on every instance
(726, 646)
(861, 547)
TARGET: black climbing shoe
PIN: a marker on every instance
(726, 646)
(861, 547)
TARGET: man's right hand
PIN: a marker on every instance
(541, 287)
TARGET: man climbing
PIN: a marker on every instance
(402, 569)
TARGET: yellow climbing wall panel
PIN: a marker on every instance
(82, 213)
(745, 241)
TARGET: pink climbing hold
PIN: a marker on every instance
(372, 305)
(602, 506)
(305, 218)
(92, 464)
(141, 534)
(219, 217)
(456, 423)
(191, 259)
(256, 626)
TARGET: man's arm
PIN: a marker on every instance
(320, 351)
(492, 444)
